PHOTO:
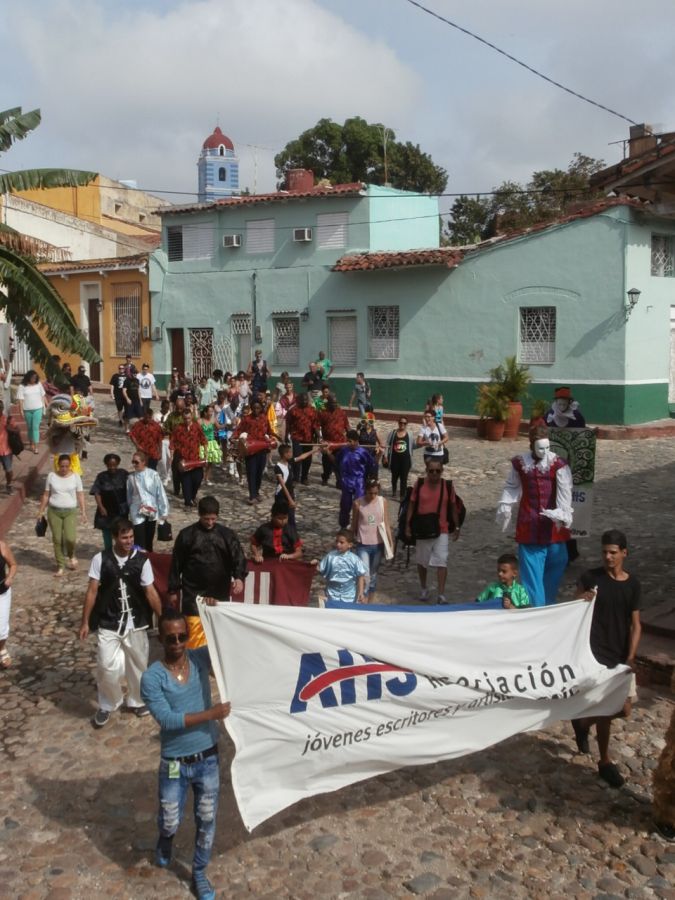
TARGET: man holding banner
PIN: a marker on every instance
(177, 692)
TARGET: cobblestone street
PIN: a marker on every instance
(527, 818)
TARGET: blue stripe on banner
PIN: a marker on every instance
(436, 608)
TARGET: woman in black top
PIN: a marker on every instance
(110, 492)
(398, 456)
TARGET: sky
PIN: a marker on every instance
(131, 88)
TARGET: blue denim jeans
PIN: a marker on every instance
(205, 781)
(371, 557)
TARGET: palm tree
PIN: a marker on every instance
(31, 305)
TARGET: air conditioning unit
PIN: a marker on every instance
(302, 234)
(232, 240)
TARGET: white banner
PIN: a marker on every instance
(323, 698)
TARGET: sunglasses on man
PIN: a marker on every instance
(176, 638)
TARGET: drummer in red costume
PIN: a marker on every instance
(334, 427)
(542, 483)
(302, 429)
(256, 429)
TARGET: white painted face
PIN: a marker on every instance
(561, 404)
(541, 447)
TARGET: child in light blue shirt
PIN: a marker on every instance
(344, 572)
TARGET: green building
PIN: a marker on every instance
(356, 270)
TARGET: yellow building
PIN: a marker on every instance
(110, 301)
(105, 202)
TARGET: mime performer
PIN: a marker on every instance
(541, 483)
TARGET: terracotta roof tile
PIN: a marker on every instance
(633, 164)
(109, 264)
(356, 189)
(449, 257)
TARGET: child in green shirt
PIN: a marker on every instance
(507, 588)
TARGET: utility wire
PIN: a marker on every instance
(520, 62)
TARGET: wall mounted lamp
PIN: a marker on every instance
(99, 305)
(633, 296)
(304, 315)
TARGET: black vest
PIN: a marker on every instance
(107, 610)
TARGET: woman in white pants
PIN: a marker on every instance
(7, 573)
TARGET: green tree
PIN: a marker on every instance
(31, 305)
(355, 151)
(548, 195)
(469, 219)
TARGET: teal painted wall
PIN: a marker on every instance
(401, 220)
(454, 325)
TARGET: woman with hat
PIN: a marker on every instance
(110, 492)
(564, 411)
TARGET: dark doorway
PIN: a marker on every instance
(177, 339)
(94, 336)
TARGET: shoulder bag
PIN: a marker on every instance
(384, 534)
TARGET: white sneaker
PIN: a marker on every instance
(424, 595)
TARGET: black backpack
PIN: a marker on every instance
(403, 513)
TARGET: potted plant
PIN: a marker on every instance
(514, 380)
(493, 408)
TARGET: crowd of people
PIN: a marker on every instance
(242, 425)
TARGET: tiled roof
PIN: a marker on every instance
(357, 189)
(634, 164)
(109, 264)
(583, 212)
(449, 257)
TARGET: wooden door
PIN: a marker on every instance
(177, 349)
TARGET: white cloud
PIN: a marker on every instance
(133, 92)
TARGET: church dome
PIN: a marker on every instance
(215, 140)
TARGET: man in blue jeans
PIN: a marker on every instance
(177, 692)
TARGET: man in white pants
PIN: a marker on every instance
(119, 603)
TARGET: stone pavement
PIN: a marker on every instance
(527, 818)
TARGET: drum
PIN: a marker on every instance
(187, 465)
(248, 446)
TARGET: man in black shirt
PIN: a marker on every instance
(183, 392)
(81, 382)
(313, 380)
(615, 635)
(116, 385)
(207, 561)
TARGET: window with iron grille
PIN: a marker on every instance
(127, 318)
(241, 324)
(537, 334)
(331, 230)
(342, 340)
(260, 236)
(287, 340)
(383, 332)
(663, 262)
